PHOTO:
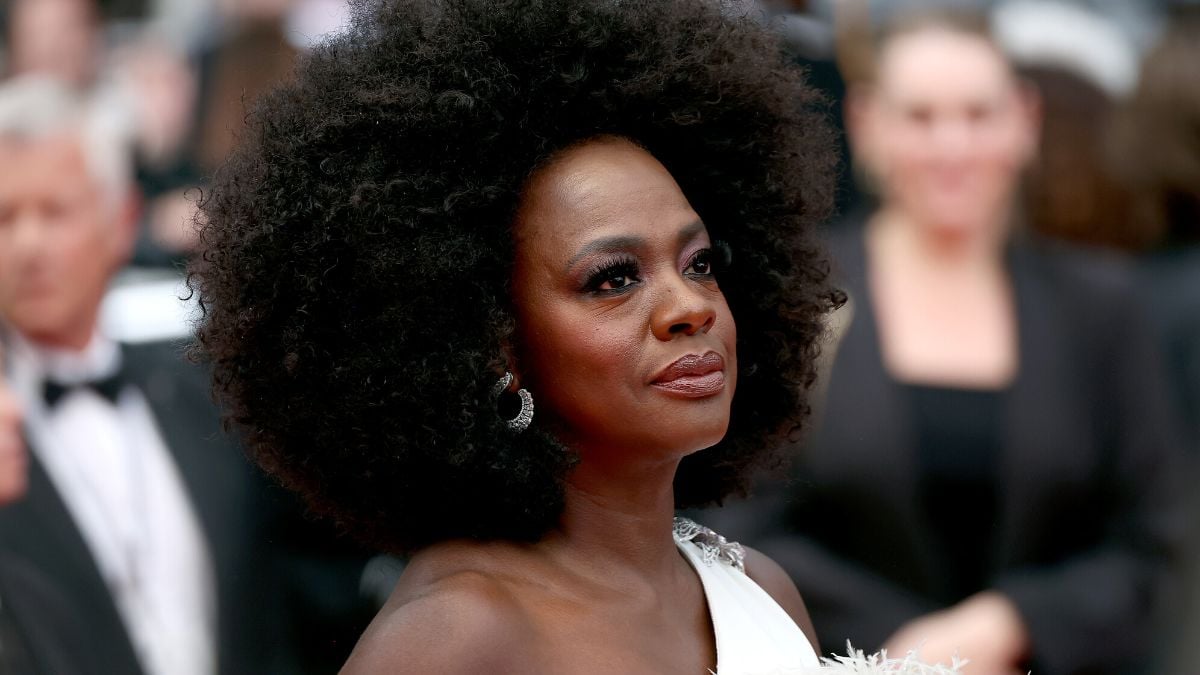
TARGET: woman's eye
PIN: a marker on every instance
(615, 282)
(701, 263)
(612, 277)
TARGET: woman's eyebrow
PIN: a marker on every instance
(605, 245)
(689, 231)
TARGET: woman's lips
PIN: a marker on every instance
(693, 376)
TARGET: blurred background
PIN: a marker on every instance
(1103, 158)
(176, 76)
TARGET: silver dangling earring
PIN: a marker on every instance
(525, 416)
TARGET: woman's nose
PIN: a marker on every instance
(683, 309)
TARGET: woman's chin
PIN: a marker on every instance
(705, 438)
(956, 226)
(671, 439)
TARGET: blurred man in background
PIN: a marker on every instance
(135, 508)
(180, 557)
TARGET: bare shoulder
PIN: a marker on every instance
(465, 622)
(775, 581)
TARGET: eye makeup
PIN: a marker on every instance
(615, 272)
(712, 259)
(618, 272)
(700, 263)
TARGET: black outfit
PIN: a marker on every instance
(957, 434)
(1173, 281)
(221, 487)
(1173, 299)
(1067, 503)
(324, 606)
(261, 549)
(40, 631)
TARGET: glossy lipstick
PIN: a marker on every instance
(693, 376)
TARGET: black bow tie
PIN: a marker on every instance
(109, 388)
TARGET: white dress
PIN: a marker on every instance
(754, 635)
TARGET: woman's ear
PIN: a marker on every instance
(509, 363)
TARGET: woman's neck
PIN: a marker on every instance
(617, 520)
(894, 233)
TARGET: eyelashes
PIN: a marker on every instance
(618, 273)
(715, 259)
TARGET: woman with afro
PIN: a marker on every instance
(470, 287)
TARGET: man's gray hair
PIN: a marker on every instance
(35, 107)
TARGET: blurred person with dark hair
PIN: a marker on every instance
(251, 55)
(1069, 191)
(1081, 64)
(989, 472)
(136, 508)
(1157, 151)
(1156, 147)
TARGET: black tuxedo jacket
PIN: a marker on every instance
(224, 492)
(1088, 481)
(41, 633)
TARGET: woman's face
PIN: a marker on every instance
(946, 129)
(13, 463)
(626, 341)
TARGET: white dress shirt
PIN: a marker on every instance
(112, 469)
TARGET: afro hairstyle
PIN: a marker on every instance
(358, 250)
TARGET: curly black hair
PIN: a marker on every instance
(358, 251)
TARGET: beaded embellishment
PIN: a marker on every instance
(712, 546)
